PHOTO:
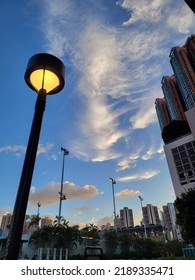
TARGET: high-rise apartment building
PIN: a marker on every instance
(150, 215)
(173, 98)
(126, 217)
(190, 45)
(179, 97)
(169, 219)
(180, 155)
(182, 64)
(6, 220)
(162, 112)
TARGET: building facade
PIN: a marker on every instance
(126, 217)
(173, 98)
(180, 155)
(162, 112)
(182, 62)
(6, 220)
(179, 98)
(150, 215)
(169, 222)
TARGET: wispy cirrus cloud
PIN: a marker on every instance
(18, 150)
(139, 176)
(140, 153)
(13, 149)
(113, 63)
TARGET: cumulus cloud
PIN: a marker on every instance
(49, 194)
(127, 193)
(138, 176)
(80, 211)
(104, 221)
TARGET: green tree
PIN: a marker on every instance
(185, 216)
(174, 130)
(174, 248)
(34, 221)
(146, 248)
(56, 236)
(42, 238)
(111, 239)
(126, 240)
(92, 233)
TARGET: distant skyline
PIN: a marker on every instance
(115, 53)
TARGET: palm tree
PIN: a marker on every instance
(92, 234)
(56, 236)
(67, 237)
(42, 238)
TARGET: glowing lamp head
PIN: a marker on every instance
(45, 73)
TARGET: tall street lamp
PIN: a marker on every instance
(38, 206)
(113, 183)
(145, 232)
(44, 74)
(61, 195)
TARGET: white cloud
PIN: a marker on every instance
(49, 194)
(181, 20)
(113, 64)
(127, 193)
(139, 176)
(141, 153)
(18, 150)
(104, 221)
(44, 148)
(13, 148)
(125, 164)
(144, 10)
(146, 113)
(80, 211)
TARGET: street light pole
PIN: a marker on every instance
(45, 74)
(113, 183)
(61, 195)
(145, 232)
(38, 206)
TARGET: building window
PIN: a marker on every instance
(184, 159)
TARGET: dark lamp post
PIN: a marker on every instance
(45, 74)
(62, 196)
(38, 206)
(113, 196)
(145, 232)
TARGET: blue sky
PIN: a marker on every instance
(115, 53)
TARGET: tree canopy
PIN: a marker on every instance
(56, 236)
(174, 130)
(185, 216)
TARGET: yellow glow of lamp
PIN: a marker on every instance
(45, 73)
